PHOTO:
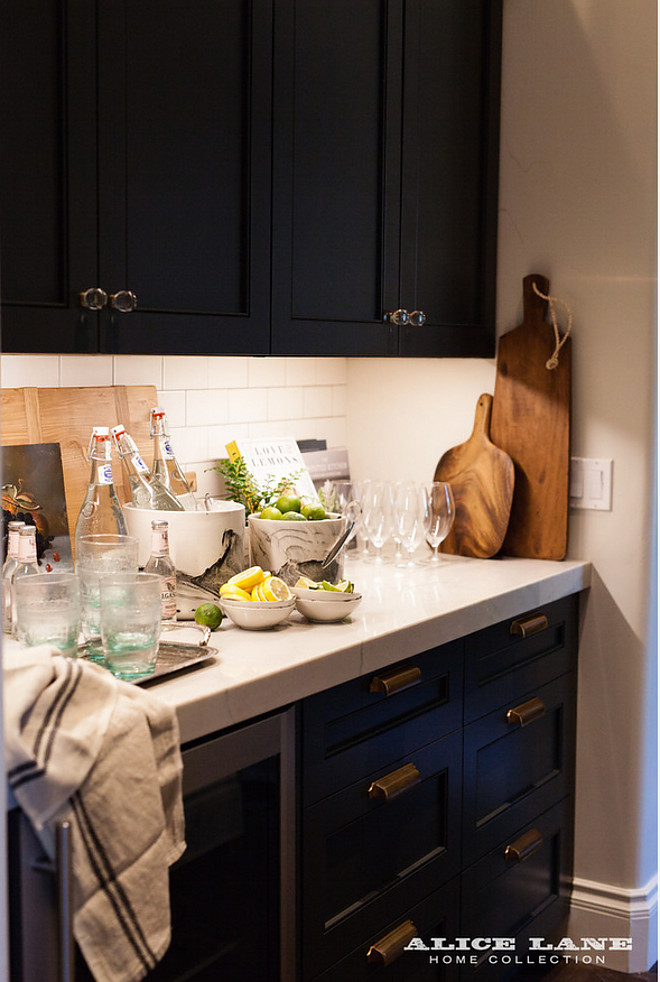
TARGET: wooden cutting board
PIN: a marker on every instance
(481, 477)
(66, 416)
(531, 422)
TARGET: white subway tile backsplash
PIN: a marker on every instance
(285, 403)
(265, 372)
(41, 371)
(82, 370)
(206, 407)
(174, 404)
(300, 371)
(190, 443)
(220, 436)
(185, 372)
(339, 400)
(317, 401)
(331, 371)
(247, 405)
(228, 372)
(138, 370)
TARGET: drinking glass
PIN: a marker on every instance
(411, 514)
(48, 611)
(96, 556)
(130, 623)
(378, 516)
(442, 512)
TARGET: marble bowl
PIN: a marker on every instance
(328, 608)
(294, 549)
(257, 615)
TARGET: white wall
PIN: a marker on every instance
(578, 204)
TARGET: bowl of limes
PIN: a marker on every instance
(292, 537)
(255, 599)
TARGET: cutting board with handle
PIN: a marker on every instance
(531, 422)
(482, 478)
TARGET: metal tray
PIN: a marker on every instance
(173, 656)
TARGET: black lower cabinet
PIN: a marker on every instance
(463, 826)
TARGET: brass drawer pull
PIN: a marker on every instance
(395, 783)
(529, 625)
(526, 712)
(389, 682)
(388, 949)
(524, 846)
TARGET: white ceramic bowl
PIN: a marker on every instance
(257, 615)
(328, 608)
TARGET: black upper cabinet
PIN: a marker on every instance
(386, 136)
(139, 164)
(262, 175)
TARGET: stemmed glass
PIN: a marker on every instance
(378, 516)
(412, 518)
(442, 512)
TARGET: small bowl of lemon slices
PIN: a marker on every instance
(325, 602)
(255, 600)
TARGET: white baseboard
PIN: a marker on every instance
(600, 910)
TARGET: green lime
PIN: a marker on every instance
(344, 586)
(208, 615)
(288, 502)
(313, 513)
(293, 516)
(270, 512)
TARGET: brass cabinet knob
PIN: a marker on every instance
(527, 626)
(387, 683)
(524, 846)
(417, 318)
(395, 783)
(124, 301)
(526, 712)
(388, 949)
(93, 299)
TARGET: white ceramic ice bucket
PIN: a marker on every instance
(206, 547)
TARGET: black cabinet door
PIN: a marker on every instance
(136, 157)
(184, 174)
(385, 176)
(48, 215)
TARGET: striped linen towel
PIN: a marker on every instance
(104, 755)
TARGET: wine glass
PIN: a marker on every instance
(412, 517)
(442, 512)
(378, 516)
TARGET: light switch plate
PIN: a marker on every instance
(591, 483)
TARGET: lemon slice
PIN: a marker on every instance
(275, 589)
(248, 579)
(257, 589)
(233, 591)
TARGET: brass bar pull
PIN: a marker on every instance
(389, 682)
(527, 626)
(388, 949)
(526, 712)
(395, 783)
(524, 846)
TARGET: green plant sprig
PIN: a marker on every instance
(241, 485)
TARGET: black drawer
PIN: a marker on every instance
(499, 664)
(362, 853)
(355, 728)
(520, 889)
(436, 916)
(516, 767)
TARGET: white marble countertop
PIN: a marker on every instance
(403, 612)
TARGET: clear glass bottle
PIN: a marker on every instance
(26, 564)
(101, 510)
(147, 491)
(9, 565)
(159, 562)
(165, 465)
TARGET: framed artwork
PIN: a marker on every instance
(33, 491)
